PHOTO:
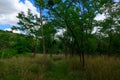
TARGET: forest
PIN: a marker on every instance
(66, 41)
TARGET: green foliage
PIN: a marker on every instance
(28, 23)
(77, 19)
(7, 53)
(12, 44)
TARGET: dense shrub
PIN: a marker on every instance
(7, 53)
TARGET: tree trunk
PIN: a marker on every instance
(35, 47)
(82, 48)
(43, 41)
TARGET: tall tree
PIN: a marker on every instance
(40, 4)
(110, 25)
(29, 25)
(77, 17)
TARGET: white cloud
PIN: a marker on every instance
(10, 8)
(60, 33)
(100, 17)
(14, 31)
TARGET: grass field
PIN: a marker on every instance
(60, 68)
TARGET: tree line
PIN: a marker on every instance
(76, 20)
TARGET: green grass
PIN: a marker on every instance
(59, 68)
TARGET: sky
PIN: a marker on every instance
(10, 8)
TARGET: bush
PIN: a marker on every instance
(7, 53)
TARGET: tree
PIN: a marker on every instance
(40, 4)
(77, 17)
(110, 25)
(29, 25)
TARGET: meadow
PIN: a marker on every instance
(59, 68)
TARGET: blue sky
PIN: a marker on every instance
(4, 26)
(23, 1)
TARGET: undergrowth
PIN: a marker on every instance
(59, 68)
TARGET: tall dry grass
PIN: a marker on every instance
(103, 68)
(60, 68)
(22, 68)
